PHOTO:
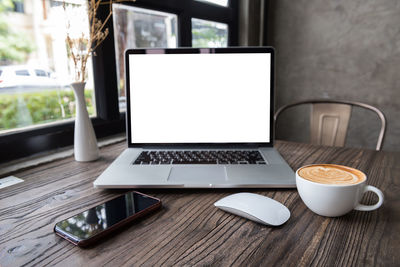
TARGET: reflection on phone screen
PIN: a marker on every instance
(98, 219)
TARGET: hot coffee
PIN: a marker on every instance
(334, 190)
(332, 174)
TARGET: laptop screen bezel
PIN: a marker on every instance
(128, 52)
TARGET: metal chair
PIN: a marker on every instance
(330, 119)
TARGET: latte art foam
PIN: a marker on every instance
(332, 174)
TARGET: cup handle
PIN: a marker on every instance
(378, 192)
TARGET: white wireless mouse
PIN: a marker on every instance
(255, 207)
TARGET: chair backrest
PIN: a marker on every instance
(329, 120)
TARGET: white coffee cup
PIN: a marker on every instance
(334, 199)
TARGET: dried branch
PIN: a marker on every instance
(82, 47)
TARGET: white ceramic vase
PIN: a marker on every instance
(85, 142)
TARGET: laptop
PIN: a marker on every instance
(199, 118)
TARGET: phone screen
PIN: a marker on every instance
(98, 219)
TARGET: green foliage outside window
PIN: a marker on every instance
(24, 109)
(203, 37)
(209, 34)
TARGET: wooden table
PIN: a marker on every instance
(189, 230)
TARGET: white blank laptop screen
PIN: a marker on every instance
(200, 98)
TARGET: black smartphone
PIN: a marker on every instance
(89, 226)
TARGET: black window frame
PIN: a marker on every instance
(27, 142)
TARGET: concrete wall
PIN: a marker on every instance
(338, 49)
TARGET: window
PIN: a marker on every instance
(138, 27)
(156, 23)
(217, 2)
(35, 47)
(21, 73)
(18, 6)
(209, 34)
(41, 73)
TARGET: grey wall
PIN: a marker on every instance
(339, 49)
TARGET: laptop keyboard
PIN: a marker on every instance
(200, 157)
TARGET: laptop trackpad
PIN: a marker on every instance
(198, 174)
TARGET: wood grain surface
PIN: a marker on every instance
(190, 231)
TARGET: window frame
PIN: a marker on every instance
(109, 120)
